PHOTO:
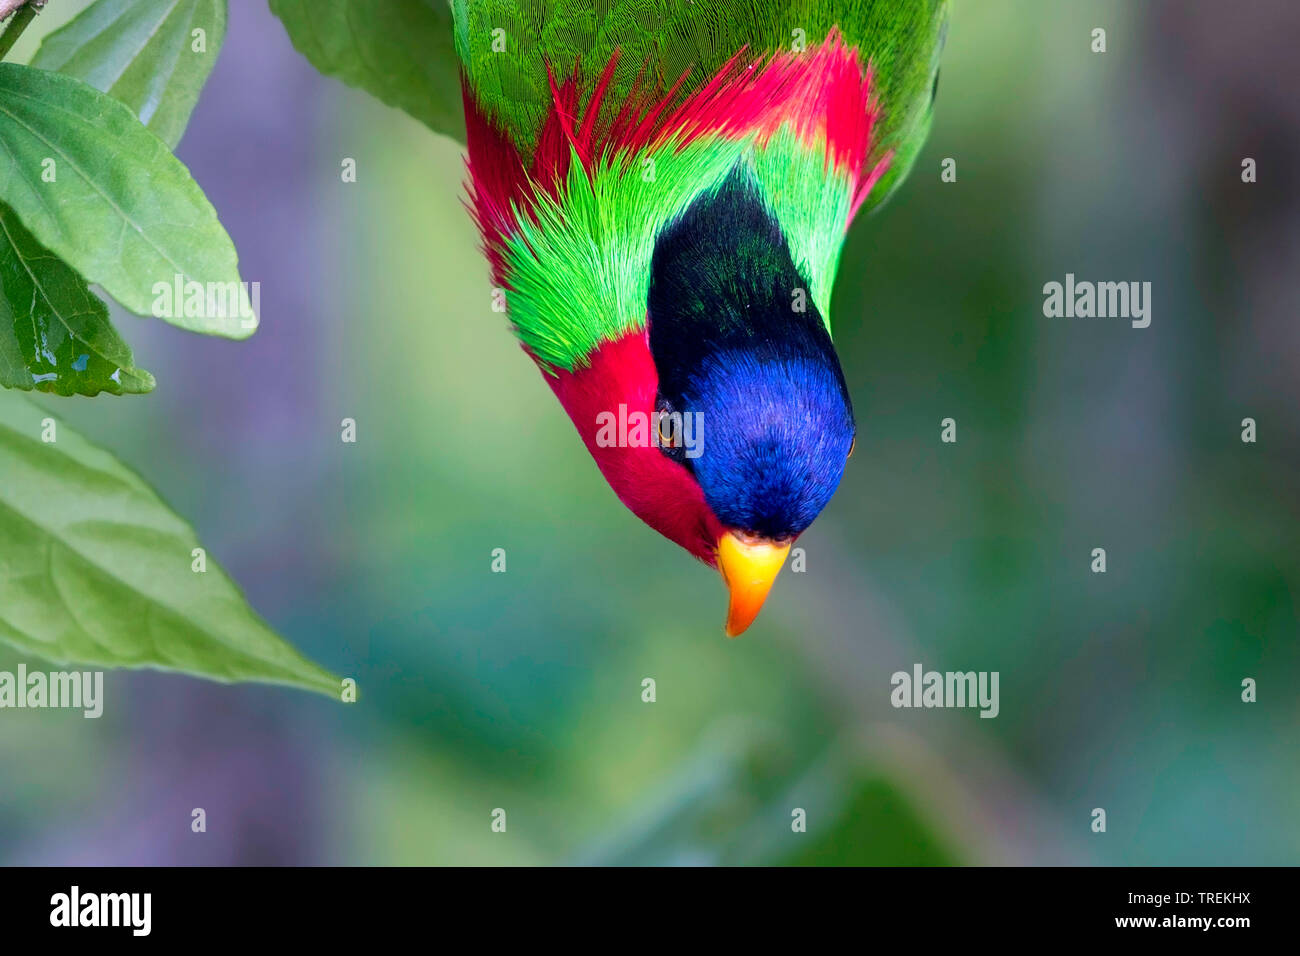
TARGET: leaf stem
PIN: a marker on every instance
(16, 26)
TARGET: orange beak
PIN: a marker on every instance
(749, 566)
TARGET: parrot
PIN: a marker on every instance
(662, 189)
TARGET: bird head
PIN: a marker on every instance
(771, 434)
(728, 420)
(738, 345)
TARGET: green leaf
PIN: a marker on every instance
(96, 570)
(55, 335)
(121, 209)
(142, 53)
(400, 51)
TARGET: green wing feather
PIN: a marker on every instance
(576, 268)
(506, 46)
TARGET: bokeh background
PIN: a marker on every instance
(523, 690)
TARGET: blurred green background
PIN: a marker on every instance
(522, 690)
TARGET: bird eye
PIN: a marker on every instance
(667, 433)
(670, 432)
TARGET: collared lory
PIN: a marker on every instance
(663, 190)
